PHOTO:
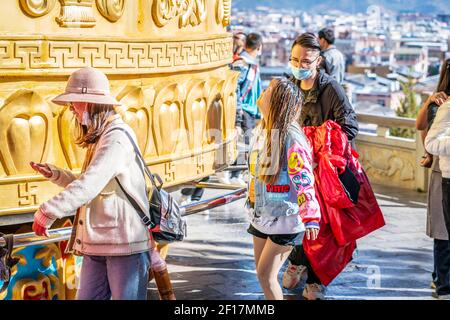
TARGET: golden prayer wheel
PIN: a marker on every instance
(167, 62)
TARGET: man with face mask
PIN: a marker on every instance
(324, 99)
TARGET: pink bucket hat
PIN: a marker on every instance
(87, 85)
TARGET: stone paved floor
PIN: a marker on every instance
(216, 259)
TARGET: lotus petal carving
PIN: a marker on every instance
(25, 129)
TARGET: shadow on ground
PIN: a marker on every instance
(216, 259)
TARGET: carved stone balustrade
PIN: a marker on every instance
(390, 160)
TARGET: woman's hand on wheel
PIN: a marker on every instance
(39, 230)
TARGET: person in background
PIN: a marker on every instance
(282, 204)
(239, 39)
(334, 61)
(325, 99)
(107, 231)
(189, 194)
(247, 93)
(437, 221)
(429, 109)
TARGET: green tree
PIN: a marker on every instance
(408, 109)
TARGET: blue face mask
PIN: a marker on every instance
(300, 73)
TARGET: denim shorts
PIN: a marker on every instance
(294, 239)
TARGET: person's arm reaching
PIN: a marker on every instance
(105, 165)
(421, 120)
(60, 177)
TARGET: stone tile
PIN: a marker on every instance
(216, 259)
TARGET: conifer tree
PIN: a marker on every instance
(408, 109)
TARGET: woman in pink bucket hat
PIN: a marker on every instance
(107, 231)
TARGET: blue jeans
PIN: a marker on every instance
(116, 277)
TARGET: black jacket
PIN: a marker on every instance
(327, 101)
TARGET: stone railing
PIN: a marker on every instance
(390, 160)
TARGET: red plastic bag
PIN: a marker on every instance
(353, 223)
(326, 256)
(330, 145)
(342, 221)
(333, 191)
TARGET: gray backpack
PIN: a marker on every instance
(165, 219)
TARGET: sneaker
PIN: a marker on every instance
(440, 296)
(238, 181)
(314, 291)
(294, 275)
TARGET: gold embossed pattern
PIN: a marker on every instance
(62, 57)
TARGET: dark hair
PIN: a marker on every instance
(253, 41)
(237, 46)
(444, 79)
(327, 34)
(98, 120)
(307, 40)
(285, 106)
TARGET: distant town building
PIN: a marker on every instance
(414, 59)
(369, 87)
(381, 49)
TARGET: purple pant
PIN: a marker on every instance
(116, 277)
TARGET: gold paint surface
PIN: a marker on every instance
(167, 64)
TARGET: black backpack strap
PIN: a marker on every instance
(146, 220)
(141, 158)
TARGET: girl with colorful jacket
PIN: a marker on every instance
(282, 204)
